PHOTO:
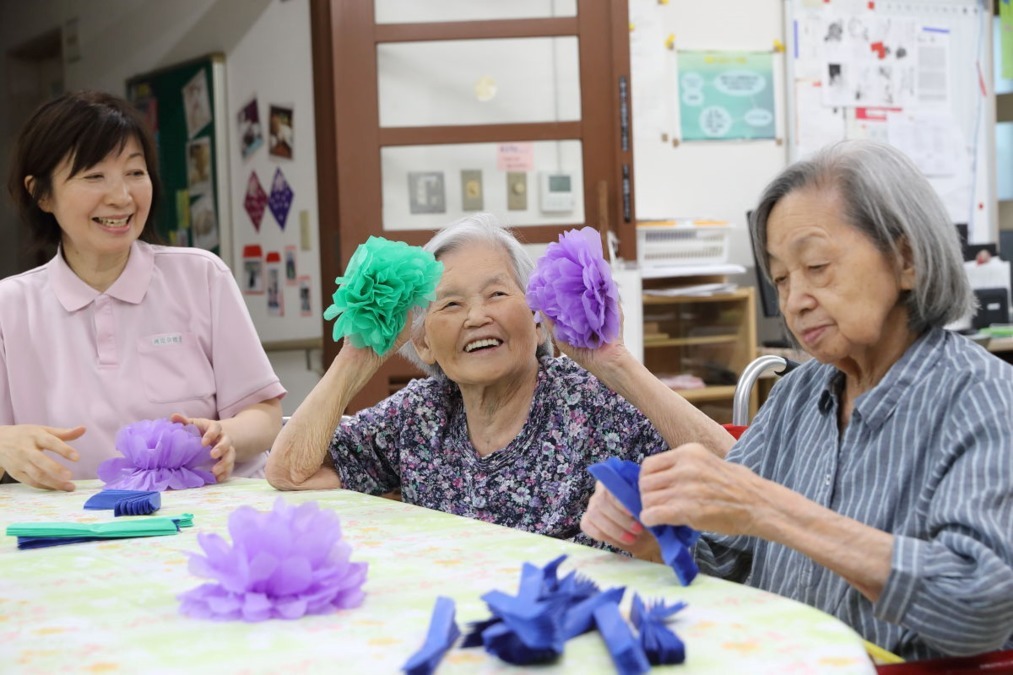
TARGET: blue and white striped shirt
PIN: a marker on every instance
(926, 456)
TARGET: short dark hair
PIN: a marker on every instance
(85, 126)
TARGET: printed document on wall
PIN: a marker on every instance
(869, 60)
(816, 125)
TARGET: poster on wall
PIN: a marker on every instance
(869, 59)
(275, 291)
(204, 222)
(305, 286)
(250, 135)
(281, 131)
(196, 104)
(253, 270)
(198, 163)
(291, 273)
(726, 95)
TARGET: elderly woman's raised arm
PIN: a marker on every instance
(299, 458)
(675, 418)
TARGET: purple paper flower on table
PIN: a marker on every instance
(158, 455)
(572, 285)
(284, 563)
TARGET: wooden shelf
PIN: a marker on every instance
(690, 341)
(738, 294)
(719, 393)
(710, 336)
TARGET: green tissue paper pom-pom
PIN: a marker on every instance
(384, 280)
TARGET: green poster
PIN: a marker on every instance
(1006, 38)
(726, 95)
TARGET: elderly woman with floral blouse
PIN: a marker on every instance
(500, 431)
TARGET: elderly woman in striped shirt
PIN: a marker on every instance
(876, 484)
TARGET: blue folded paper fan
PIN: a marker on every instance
(126, 502)
(676, 541)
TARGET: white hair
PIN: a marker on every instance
(481, 227)
(885, 197)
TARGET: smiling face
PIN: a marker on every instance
(840, 295)
(102, 209)
(479, 329)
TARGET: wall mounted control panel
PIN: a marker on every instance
(556, 192)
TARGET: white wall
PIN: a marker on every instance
(712, 179)
(719, 180)
(273, 62)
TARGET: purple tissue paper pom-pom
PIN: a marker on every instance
(283, 564)
(158, 455)
(572, 285)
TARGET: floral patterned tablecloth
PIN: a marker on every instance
(111, 607)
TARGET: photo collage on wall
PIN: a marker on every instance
(197, 217)
(270, 269)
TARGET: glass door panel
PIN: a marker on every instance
(492, 81)
(531, 183)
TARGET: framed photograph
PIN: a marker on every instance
(291, 273)
(196, 103)
(281, 136)
(251, 135)
(305, 302)
(198, 165)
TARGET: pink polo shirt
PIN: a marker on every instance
(172, 334)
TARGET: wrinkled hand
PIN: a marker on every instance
(589, 359)
(691, 486)
(607, 520)
(368, 357)
(22, 454)
(214, 435)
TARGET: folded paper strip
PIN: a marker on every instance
(285, 563)
(383, 281)
(158, 455)
(620, 477)
(532, 626)
(660, 643)
(441, 636)
(126, 502)
(41, 535)
(572, 285)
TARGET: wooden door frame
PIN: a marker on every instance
(344, 37)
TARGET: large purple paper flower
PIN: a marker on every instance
(572, 285)
(284, 563)
(158, 455)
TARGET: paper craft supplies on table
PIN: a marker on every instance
(112, 606)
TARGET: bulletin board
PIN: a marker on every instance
(185, 105)
(915, 74)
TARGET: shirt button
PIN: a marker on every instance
(826, 481)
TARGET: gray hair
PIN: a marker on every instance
(485, 228)
(885, 197)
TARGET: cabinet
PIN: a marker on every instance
(712, 337)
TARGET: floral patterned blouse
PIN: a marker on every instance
(417, 440)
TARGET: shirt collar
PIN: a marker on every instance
(131, 286)
(875, 406)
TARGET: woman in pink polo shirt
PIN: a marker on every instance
(115, 328)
